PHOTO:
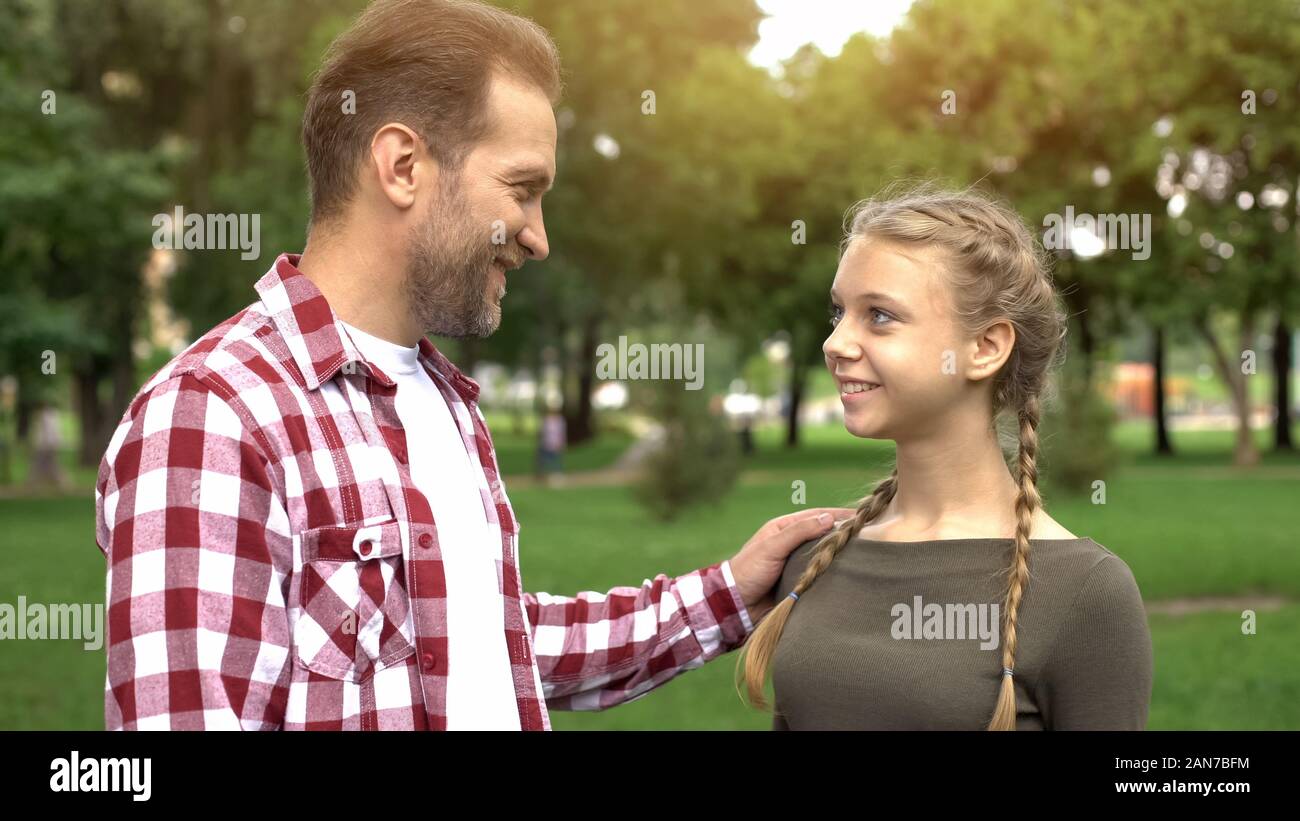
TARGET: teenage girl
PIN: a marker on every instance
(952, 600)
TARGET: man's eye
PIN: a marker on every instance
(875, 311)
(836, 314)
(527, 191)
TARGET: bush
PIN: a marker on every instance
(1075, 435)
(696, 461)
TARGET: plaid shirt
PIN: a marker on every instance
(271, 564)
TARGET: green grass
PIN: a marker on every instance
(1209, 676)
(1190, 527)
(1200, 447)
(517, 452)
(50, 556)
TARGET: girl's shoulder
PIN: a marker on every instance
(1045, 527)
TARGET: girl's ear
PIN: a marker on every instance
(992, 349)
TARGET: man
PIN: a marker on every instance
(302, 513)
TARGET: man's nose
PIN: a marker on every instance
(533, 238)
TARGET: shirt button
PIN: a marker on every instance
(426, 540)
(366, 547)
(427, 661)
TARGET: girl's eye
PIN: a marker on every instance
(837, 313)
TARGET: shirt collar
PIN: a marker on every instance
(316, 340)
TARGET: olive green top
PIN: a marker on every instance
(902, 636)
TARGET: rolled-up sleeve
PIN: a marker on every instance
(595, 650)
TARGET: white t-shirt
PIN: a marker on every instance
(480, 685)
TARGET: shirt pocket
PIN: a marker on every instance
(353, 601)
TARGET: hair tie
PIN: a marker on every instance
(793, 595)
(1006, 671)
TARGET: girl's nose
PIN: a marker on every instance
(837, 346)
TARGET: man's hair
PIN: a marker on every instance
(425, 63)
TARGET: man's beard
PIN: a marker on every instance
(448, 269)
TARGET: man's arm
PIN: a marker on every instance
(601, 649)
(596, 650)
(191, 525)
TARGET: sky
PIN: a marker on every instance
(827, 23)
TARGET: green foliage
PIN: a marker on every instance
(704, 193)
(697, 461)
(1075, 434)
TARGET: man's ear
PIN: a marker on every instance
(991, 349)
(400, 163)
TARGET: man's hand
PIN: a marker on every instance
(759, 564)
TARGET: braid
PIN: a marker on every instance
(756, 655)
(1027, 501)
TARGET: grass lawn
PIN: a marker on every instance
(1188, 528)
(517, 450)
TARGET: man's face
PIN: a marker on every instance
(486, 218)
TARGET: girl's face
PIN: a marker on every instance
(895, 349)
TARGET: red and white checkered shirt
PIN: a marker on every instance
(271, 565)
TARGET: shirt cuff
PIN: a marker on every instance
(739, 602)
(746, 621)
(715, 612)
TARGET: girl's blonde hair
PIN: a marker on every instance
(996, 270)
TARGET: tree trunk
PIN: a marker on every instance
(1245, 453)
(124, 377)
(1087, 345)
(90, 413)
(23, 412)
(798, 383)
(98, 417)
(581, 425)
(1076, 300)
(1282, 385)
(1163, 445)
